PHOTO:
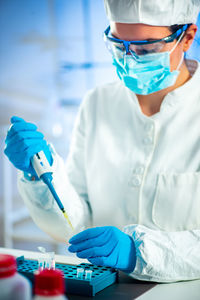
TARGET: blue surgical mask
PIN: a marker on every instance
(146, 74)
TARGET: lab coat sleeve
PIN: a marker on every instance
(70, 184)
(165, 256)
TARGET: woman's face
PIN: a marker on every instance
(131, 32)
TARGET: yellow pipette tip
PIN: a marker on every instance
(68, 220)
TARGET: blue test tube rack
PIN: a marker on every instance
(102, 277)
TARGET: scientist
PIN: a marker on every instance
(133, 172)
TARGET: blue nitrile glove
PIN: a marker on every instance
(105, 246)
(22, 142)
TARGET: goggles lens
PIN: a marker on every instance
(119, 48)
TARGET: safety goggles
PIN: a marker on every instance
(119, 48)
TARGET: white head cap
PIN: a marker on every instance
(153, 12)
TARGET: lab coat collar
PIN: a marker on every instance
(180, 95)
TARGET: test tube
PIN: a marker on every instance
(51, 260)
(80, 272)
(41, 260)
(88, 275)
(41, 263)
(53, 264)
(48, 263)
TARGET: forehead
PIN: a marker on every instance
(138, 31)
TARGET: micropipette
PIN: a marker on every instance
(44, 172)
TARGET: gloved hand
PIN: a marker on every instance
(22, 142)
(105, 246)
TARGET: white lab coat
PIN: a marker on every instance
(139, 173)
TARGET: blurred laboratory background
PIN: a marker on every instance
(51, 53)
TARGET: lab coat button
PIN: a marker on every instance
(139, 170)
(136, 181)
(149, 127)
(147, 140)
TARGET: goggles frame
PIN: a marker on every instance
(168, 39)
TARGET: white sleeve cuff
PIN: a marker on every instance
(165, 256)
